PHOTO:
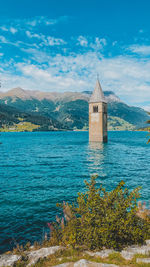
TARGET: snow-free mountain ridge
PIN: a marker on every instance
(68, 110)
(55, 96)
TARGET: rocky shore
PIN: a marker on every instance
(32, 257)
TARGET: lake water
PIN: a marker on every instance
(37, 170)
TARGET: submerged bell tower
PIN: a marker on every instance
(98, 115)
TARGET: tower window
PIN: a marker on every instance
(95, 109)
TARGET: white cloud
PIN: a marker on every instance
(37, 55)
(9, 29)
(35, 35)
(36, 78)
(82, 41)
(3, 28)
(33, 22)
(3, 39)
(13, 30)
(98, 43)
(55, 21)
(47, 40)
(140, 49)
(147, 108)
(126, 75)
(55, 41)
(114, 43)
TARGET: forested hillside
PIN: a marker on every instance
(56, 111)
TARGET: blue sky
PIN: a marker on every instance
(61, 45)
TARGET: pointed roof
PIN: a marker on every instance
(98, 95)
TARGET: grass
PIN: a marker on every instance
(20, 127)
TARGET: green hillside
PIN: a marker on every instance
(133, 115)
(12, 119)
(118, 124)
(68, 111)
(73, 114)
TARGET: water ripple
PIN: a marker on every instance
(37, 170)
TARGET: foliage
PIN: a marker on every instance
(12, 119)
(133, 115)
(101, 219)
(73, 113)
(20, 127)
(118, 124)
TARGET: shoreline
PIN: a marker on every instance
(72, 130)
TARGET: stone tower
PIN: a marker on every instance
(98, 115)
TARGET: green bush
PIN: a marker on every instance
(102, 219)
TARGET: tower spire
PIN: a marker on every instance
(98, 95)
(98, 115)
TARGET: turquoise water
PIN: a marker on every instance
(37, 170)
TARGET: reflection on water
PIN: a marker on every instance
(96, 146)
(96, 156)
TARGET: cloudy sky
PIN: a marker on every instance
(61, 45)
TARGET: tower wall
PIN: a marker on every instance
(98, 122)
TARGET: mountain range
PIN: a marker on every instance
(22, 110)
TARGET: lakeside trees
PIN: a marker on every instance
(101, 219)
